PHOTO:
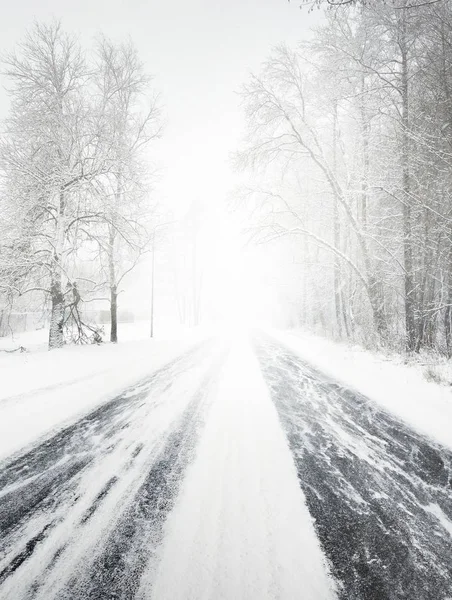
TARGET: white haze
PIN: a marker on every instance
(200, 53)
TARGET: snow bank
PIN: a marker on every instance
(399, 388)
(25, 372)
(40, 391)
(240, 528)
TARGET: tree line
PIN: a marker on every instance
(75, 213)
(350, 139)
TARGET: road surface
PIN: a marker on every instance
(381, 495)
(236, 471)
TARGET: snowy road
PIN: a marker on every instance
(188, 486)
(81, 514)
(381, 495)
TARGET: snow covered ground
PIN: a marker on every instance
(219, 468)
(182, 487)
(41, 390)
(400, 388)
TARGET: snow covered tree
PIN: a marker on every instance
(131, 120)
(47, 156)
(73, 172)
(359, 119)
(283, 126)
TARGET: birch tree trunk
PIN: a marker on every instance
(56, 334)
(113, 284)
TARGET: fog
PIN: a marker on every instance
(226, 300)
(199, 54)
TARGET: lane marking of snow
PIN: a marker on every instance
(240, 528)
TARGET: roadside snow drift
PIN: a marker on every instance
(398, 388)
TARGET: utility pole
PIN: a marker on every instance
(152, 284)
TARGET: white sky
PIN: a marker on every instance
(200, 53)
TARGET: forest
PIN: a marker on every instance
(346, 159)
(75, 215)
(350, 135)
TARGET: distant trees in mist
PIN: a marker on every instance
(350, 137)
(74, 176)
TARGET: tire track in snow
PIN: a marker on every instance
(56, 489)
(43, 454)
(380, 493)
(37, 477)
(131, 547)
